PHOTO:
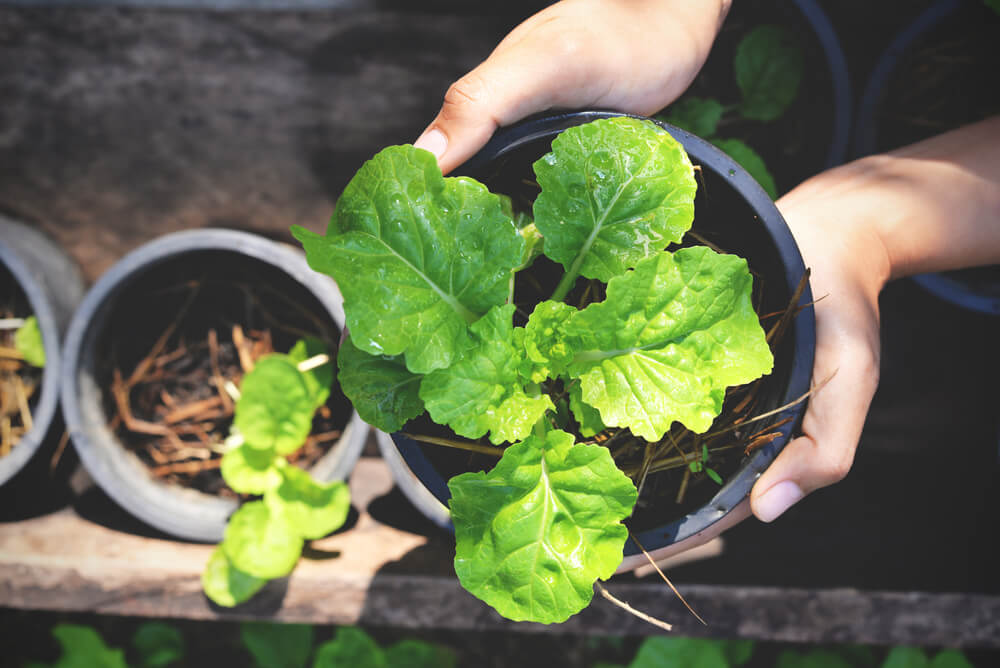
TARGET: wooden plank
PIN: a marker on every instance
(379, 575)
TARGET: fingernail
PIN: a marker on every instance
(433, 141)
(777, 500)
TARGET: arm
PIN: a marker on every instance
(932, 206)
(635, 56)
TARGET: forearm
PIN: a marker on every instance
(933, 206)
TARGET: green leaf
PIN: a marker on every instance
(261, 543)
(547, 353)
(250, 471)
(419, 654)
(950, 658)
(383, 391)
(158, 645)
(533, 534)
(814, 659)
(713, 474)
(737, 652)
(225, 584)
(417, 256)
(768, 67)
(749, 160)
(28, 342)
(671, 652)
(670, 337)
(312, 509)
(699, 116)
(994, 5)
(83, 647)
(276, 406)
(906, 657)
(482, 391)
(320, 378)
(588, 417)
(350, 647)
(614, 191)
(278, 645)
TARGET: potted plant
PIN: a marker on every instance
(554, 323)
(946, 53)
(39, 288)
(155, 358)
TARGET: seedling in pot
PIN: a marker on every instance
(427, 266)
(768, 70)
(273, 418)
(22, 355)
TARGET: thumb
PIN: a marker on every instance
(501, 90)
(831, 428)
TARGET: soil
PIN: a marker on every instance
(176, 346)
(796, 145)
(19, 381)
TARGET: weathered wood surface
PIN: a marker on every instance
(378, 575)
(119, 125)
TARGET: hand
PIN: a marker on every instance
(635, 56)
(849, 265)
(932, 206)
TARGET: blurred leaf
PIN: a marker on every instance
(749, 160)
(260, 542)
(225, 584)
(350, 648)
(768, 67)
(737, 652)
(312, 509)
(813, 659)
(276, 406)
(950, 658)
(28, 341)
(677, 652)
(158, 645)
(320, 378)
(278, 645)
(905, 657)
(250, 470)
(699, 116)
(419, 654)
(83, 647)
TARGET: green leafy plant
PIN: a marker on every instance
(273, 417)
(427, 266)
(157, 645)
(28, 341)
(290, 646)
(83, 647)
(768, 70)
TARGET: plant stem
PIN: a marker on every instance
(461, 445)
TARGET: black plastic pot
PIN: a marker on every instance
(974, 289)
(53, 287)
(182, 512)
(760, 235)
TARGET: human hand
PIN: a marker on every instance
(634, 56)
(932, 206)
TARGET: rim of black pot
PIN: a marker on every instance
(803, 332)
(45, 408)
(117, 471)
(941, 285)
(843, 103)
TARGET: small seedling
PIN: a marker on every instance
(701, 466)
(427, 266)
(273, 418)
(768, 71)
